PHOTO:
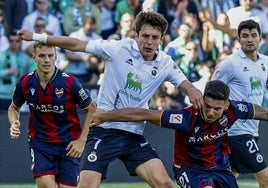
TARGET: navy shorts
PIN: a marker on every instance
(245, 154)
(106, 145)
(51, 159)
(197, 177)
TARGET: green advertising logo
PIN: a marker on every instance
(134, 84)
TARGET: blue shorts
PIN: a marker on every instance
(106, 145)
(200, 177)
(50, 159)
(245, 154)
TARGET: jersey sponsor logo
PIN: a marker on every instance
(48, 108)
(30, 73)
(128, 95)
(32, 90)
(83, 94)
(256, 87)
(242, 107)
(255, 83)
(59, 92)
(92, 157)
(133, 82)
(245, 69)
(223, 121)
(175, 118)
(208, 137)
(129, 61)
(196, 129)
(144, 144)
(65, 75)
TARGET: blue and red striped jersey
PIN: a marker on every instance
(202, 144)
(53, 110)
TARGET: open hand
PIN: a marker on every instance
(75, 148)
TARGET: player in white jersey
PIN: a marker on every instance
(246, 73)
(134, 70)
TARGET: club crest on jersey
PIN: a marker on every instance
(263, 67)
(92, 157)
(175, 118)
(59, 92)
(154, 71)
(223, 121)
(259, 158)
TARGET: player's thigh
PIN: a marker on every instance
(224, 178)
(152, 169)
(45, 181)
(89, 179)
(262, 176)
(245, 154)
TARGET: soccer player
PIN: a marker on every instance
(56, 140)
(246, 73)
(201, 149)
(133, 71)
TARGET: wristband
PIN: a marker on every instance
(40, 38)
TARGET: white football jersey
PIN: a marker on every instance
(129, 80)
(247, 81)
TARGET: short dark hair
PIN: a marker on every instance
(248, 24)
(153, 19)
(217, 90)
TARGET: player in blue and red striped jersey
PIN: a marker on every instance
(56, 139)
(201, 148)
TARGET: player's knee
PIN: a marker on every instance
(263, 182)
(163, 183)
(169, 183)
(89, 179)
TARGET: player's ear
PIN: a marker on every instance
(227, 104)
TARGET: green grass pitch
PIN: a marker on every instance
(242, 184)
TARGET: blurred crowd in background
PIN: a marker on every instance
(201, 33)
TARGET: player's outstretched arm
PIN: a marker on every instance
(64, 42)
(260, 113)
(127, 114)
